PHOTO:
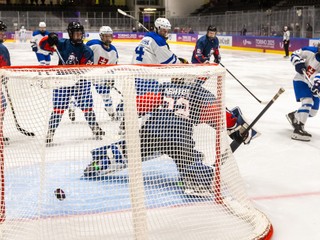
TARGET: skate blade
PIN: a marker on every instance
(300, 138)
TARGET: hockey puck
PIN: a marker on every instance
(60, 194)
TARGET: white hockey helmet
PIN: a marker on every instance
(162, 23)
(42, 24)
(22, 27)
(105, 30)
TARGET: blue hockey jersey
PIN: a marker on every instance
(204, 49)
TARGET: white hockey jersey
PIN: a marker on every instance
(310, 58)
(101, 54)
(153, 49)
(36, 37)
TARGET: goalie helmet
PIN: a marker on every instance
(42, 24)
(75, 27)
(162, 23)
(3, 27)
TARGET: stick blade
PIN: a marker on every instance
(122, 12)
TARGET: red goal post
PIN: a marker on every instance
(145, 200)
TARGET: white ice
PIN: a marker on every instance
(282, 176)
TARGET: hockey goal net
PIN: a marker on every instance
(170, 180)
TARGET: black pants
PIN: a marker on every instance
(286, 47)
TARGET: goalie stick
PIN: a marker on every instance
(235, 144)
(20, 129)
(262, 102)
(132, 17)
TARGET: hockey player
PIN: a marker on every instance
(4, 61)
(42, 55)
(173, 111)
(153, 47)
(22, 34)
(207, 46)
(73, 52)
(105, 53)
(306, 59)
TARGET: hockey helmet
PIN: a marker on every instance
(42, 24)
(105, 30)
(162, 23)
(75, 27)
(22, 27)
(211, 28)
(3, 27)
(285, 28)
(106, 35)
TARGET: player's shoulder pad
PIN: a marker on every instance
(157, 38)
(93, 42)
(310, 48)
(36, 32)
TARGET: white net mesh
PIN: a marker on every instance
(120, 152)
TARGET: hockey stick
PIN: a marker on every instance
(59, 55)
(20, 129)
(132, 17)
(262, 102)
(235, 144)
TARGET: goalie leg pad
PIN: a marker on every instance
(107, 159)
(199, 180)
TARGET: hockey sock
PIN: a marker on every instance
(304, 111)
(90, 117)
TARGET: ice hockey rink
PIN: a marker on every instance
(282, 176)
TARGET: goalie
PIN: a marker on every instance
(173, 112)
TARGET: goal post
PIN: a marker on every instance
(163, 169)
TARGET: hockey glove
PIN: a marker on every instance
(217, 59)
(34, 47)
(300, 67)
(217, 56)
(53, 39)
(316, 88)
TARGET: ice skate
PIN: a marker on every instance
(292, 119)
(300, 134)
